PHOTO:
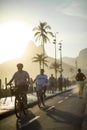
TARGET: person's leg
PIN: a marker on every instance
(38, 98)
(43, 98)
(44, 91)
(80, 87)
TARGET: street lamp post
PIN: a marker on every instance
(60, 49)
(55, 55)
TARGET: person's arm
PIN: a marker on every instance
(13, 77)
(27, 78)
(47, 79)
(76, 77)
(84, 77)
(34, 80)
(10, 81)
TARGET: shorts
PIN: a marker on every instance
(39, 87)
(80, 83)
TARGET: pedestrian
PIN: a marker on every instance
(52, 83)
(60, 82)
(41, 83)
(80, 78)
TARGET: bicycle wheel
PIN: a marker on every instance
(24, 103)
(17, 108)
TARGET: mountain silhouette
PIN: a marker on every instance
(80, 59)
(8, 68)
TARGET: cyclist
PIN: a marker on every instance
(80, 77)
(41, 83)
(21, 80)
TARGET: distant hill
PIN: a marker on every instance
(8, 68)
(81, 60)
(69, 60)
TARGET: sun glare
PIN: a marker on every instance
(14, 37)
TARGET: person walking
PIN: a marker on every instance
(60, 83)
(52, 83)
(80, 78)
(41, 83)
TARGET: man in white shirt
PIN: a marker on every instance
(41, 82)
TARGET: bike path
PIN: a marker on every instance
(7, 105)
(32, 100)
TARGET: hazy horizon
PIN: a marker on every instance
(53, 56)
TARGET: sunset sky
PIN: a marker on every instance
(18, 17)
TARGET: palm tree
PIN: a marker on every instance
(55, 66)
(39, 58)
(41, 34)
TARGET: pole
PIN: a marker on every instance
(55, 55)
(60, 49)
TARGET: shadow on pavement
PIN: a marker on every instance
(64, 117)
(28, 122)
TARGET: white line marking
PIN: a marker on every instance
(70, 94)
(60, 101)
(51, 107)
(35, 118)
(66, 97)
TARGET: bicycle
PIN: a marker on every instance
(19, 101)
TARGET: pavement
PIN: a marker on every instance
(84, 124)
(7, 105)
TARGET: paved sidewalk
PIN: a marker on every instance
(7, 106)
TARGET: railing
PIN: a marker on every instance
(7, 92)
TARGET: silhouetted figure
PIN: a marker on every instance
(80, 77)
(60, 83)
(21, 80)
(52, 83)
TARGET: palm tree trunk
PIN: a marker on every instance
(43, 55)
(40, 65)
